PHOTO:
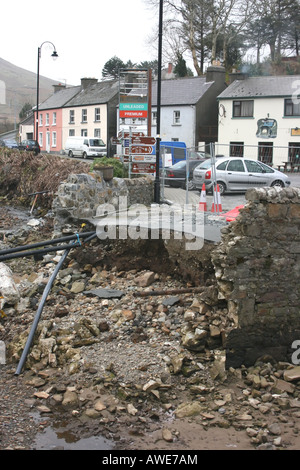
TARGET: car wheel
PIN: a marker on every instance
(70, 154)
(278, 183)
(222, 187)
(84, 155)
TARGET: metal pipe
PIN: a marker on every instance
(39, 311)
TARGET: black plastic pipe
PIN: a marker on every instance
(42, 303)
(23, 254)
(39, 311)
(45, 243)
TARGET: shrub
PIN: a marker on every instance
(120, 171)
(23, 173)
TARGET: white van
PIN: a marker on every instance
(85, 147)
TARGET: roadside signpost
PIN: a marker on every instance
(141, 149)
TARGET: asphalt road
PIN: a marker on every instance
(228, 201)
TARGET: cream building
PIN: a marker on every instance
(259, 118)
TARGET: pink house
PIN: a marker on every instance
(50, 118)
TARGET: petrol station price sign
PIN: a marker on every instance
(133, 110)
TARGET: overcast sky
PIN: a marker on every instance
(85, 33)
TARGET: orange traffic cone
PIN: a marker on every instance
(217, 205)
(202, 202)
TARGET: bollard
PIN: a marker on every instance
(2, 353)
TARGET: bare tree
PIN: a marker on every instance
(199, 25)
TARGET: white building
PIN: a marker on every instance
(259, 117)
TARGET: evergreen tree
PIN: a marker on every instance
(112, 66)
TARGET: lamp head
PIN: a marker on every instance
(54, 55)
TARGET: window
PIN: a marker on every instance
(71, 132)
(72, 117)
(294, 152)
(176, 117)
(84, 115)
(154, 118)
(47, 119)
(97, 114)
(265, 152)
(236, 149)
(41, 119)
(235, 165)
(97, 133)
(253, 166)
(53, 139)
(222, 166)
(243, 108)
(84, 133)
(291, 107)
(41, 139)
(54, 119)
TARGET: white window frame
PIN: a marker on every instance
(54, 119)
(84, 115)
(176, 117)
(41, 139)
(47, 119)
(97, 133)
(54, 139)
(40, 119)
(97, 115)
(154, 118)
(71, 116)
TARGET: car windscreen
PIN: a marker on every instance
(97, 143)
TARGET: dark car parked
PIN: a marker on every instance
(30, 146)
(175, 175)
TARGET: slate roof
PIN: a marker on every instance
(99, 93)
(185, 91)
(60, 98)
(262, 87)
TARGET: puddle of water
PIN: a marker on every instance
(60, 437)
(50, 440)
(64, 439)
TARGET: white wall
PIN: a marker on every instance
(244, 129)
(90, 125)
(184, 132)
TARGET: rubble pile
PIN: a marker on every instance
(131, 354)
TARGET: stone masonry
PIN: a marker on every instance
(257, 267)
(79, 197)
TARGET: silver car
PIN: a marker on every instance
(238, 174)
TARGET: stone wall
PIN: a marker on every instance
(257, 267)
(79, 197)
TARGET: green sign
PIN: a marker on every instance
(133, 106)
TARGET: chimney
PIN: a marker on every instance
(170, 67)
(237, 75)
(215, 73)
(58, 87)
(86, 82)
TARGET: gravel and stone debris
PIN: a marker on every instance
(112, 358)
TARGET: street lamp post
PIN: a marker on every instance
(158, 137)
(54, 55)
